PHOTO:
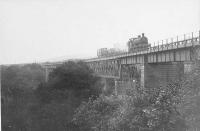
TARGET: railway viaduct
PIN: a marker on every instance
(160, 64)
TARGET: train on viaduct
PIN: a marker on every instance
(148, 65)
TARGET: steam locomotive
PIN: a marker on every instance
(138, 44)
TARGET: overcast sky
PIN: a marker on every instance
(35, 30)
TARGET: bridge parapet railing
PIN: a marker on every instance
(180, 41)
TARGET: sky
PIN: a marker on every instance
(41, 30)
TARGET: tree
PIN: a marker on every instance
(69, 84)
(18, 84)
(73, 78)
(28, 103)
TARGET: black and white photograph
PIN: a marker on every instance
(100, 65)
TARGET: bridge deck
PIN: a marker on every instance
(159, 48)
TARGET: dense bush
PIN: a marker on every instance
(174, 107)
(147, 110)
(28, 103)
(17, 95)
(73, 77)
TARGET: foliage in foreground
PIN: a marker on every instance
(69, 85)
(17, 95)
(29, 104)
(171, 108)
(71, 79)
(151, 110)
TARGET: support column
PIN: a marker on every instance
(142, 76)
(105, 86)
(46, 74)
(120, 87)
(108, 85)
(188, 66)
(116, 87)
